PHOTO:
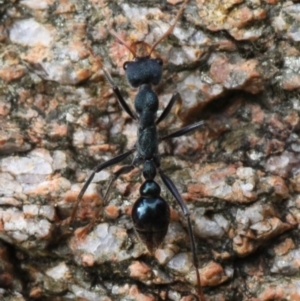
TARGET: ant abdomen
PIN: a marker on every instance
(151, 215)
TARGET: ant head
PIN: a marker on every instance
(141, 69)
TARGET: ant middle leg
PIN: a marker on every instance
(174, 191)
(185, 130)
(175, 97)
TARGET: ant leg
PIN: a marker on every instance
(175, 97)
(123, 170)
(97, 169)
(117, 92)
(172, 188)
(184, 130)
(119, 96)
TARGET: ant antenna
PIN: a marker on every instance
(113, 33)
(170, 28)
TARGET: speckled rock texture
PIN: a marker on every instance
(236, 65)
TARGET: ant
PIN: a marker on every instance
(150, 213)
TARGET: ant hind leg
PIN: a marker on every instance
(97, 169)
(172, 188)
(123, 170)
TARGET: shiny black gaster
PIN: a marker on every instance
(151, 215)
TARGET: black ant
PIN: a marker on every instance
(150, 213)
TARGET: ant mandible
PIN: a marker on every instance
(150, 213)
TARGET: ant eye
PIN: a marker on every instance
(125, 65)
(159, 61)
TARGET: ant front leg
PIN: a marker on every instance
(172, 188)
(119, 96)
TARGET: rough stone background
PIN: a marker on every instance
(236, 65)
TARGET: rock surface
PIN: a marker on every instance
(235, 64)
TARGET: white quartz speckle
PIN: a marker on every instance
(29, 32)
(58, 272)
